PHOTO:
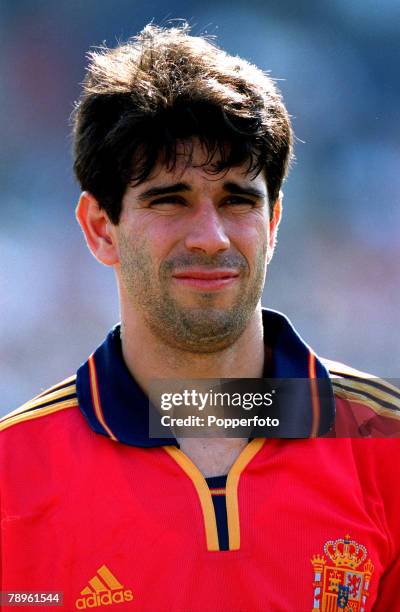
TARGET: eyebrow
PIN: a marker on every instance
(163, 190)
(230, 187)
(234, 188)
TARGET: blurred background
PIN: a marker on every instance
(336, 271)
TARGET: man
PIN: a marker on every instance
(181, 151)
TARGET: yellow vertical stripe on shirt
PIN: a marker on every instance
(96, 397)
(207, 506)
(232, 504)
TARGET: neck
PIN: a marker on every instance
(148, 357)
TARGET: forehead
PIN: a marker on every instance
(193, 163)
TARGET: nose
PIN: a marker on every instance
(207, 232)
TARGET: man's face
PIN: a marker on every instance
(192, 252)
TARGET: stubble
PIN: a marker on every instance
(205, 327)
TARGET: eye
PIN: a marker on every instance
(239, 203)
(167, 204)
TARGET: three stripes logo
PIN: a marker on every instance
(103, 590)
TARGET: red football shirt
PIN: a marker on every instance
(94, 508)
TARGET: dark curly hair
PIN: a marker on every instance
(165, 87)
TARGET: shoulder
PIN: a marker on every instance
(370, 402)
(60, 397)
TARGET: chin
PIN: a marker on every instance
(200, 329)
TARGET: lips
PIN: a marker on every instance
(206, 274)
(206, 279)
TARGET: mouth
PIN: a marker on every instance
(206, 280)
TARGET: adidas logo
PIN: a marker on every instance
(103, 590)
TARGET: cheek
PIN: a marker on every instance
(156, 234)
(142, 247)
(251, 236)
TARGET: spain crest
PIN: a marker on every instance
(341, 577)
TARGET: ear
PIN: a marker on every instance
(273, 226)
(98, 229)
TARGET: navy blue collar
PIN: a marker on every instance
(115, 406)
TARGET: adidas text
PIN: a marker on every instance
(103, 599)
